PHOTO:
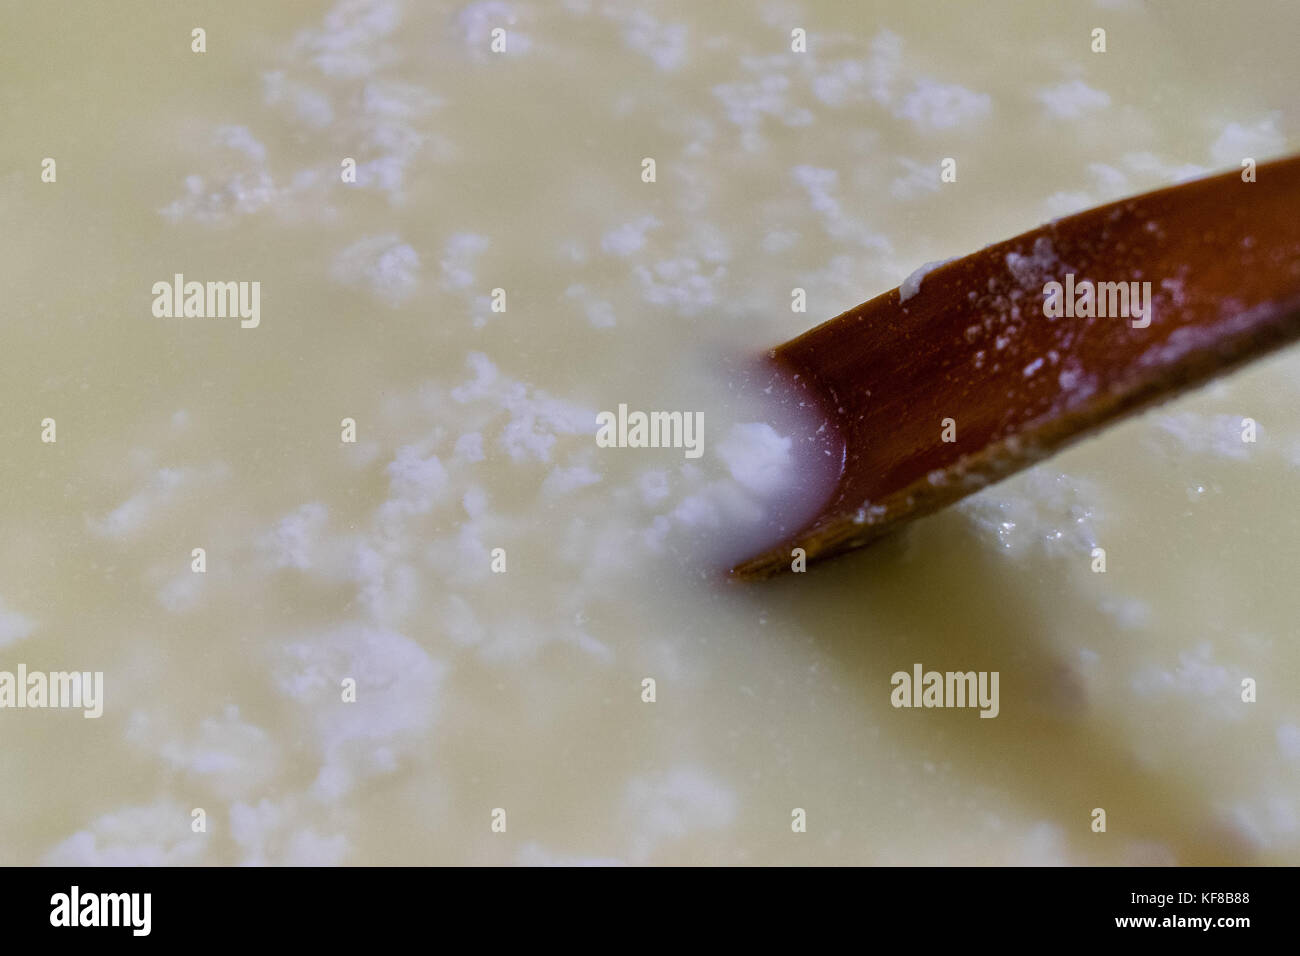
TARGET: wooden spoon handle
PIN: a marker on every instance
(973, 356)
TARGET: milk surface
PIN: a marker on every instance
(459, 603)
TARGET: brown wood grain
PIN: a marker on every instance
(1223, 259)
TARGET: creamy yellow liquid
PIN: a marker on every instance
(329, 561)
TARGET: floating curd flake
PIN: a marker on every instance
(349, 42)
(564, 480)
(838, 84)
(819, 184)
(154, 835)
(1266, 821)
(293, 539)
(401, 685)
(533, 854)
(1067, 203)
(1288, 741)
(857, 80)
(485, 382)
(308, 105)
(536, 420)
(779, 471)
(884, 64)
(1071, 100)
(664, 44)
(653, 486)
(599, 314)
(479, 19)
(225, 754)
(679, 283)
(674, 805)
(469, 447)
(274, 831)
(416, 481)
(181, 593)
(240, 139)
(1159, 172)
(1037, 509)
(918, 180)
(697, 511)
(392, 99)
(384, 265)
(1195, 676)
(629, 237)
(1194, 432)
(1110, 181)
(933, 107)
(779, 240)
(1033, 367)
(912, 284)
(475, 502)
(13, 626)
(747, 103)
(1044, 844)
(238, 182)
(1128, 612)
(458, 259)
(1259, 140)
(134, 513)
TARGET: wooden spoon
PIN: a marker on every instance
(968, 380)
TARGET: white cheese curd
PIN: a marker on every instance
(460, 602)
(912, 284)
